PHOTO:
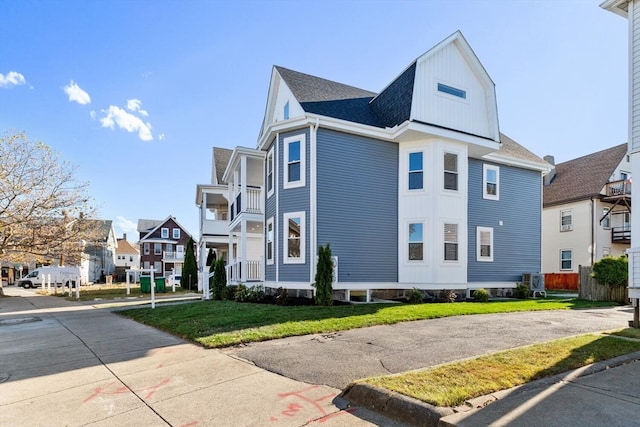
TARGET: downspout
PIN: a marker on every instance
(593, 226)
(313, 199)
(276, 236)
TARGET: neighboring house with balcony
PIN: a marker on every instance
(162, 245)
(587, 210)
(414, 186)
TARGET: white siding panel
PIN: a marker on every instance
(635, 76)
(474, 115)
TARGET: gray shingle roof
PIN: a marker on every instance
(393, 104)
(511, 148)
(308, 88)
(584, 177)
(221, 157)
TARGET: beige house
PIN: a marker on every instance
(586, 210)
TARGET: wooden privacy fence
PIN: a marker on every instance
(590, 290)
(561, 281)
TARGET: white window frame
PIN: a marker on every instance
(445, 241)
(286, 259)
(175, 233)
(270, 260)
(146, 248)
(566, 227)
(157, 251)
(409, 242)
(164, 233)
(285, 161)
(485, 181)
(606, 220)
(570, 259)
(479, 256)
(409, 171)
(271, 179)
(445, 171)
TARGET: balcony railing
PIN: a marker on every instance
(621, 234)
(169, 255)
(254, 203)
(234, 271)
(618, 188)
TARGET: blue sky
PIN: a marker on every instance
(136, 93)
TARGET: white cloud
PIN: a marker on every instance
(134, 105)
(92, 114)
(12, 79)
(126, 226)
(127, 121)
(77, 94)
(161, 136)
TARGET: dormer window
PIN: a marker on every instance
(286, 111)
(450, 90)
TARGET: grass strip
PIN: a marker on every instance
(454, 383)
(111, 292)
(225, 323)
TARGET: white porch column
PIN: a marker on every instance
(243, 182)
(243, 250)
(204, 273)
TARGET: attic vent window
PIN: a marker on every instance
(452, 91)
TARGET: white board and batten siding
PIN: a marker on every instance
(433, 206)
(634, 72)
(451, 65)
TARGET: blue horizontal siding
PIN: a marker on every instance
(357, 205)
(517, 243)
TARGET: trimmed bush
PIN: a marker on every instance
(324, 276)
(219, 288)
(522, 291)
(481, 295)
(415, 296)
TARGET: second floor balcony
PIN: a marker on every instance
(252, 204)
(616, 189)
(172, 256)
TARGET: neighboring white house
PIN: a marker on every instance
(586, 210)
(127, 257)
(99, 257)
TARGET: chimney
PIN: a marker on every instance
(548, 178)
(124, 236)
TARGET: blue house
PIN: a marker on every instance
(413, 187)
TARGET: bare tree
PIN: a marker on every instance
(43, 208)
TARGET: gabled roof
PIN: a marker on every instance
(160, 224)
(584, 177)
(328, 98)
(511, 149)
(145, 225)
(221, 158)
(124, 247)
(100, 229)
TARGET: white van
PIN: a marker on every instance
(59, 275)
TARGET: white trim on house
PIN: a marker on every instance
(485, 182)
(286, 259)
(270, 157)
(301, 182)
(270, 261)
(487, 240)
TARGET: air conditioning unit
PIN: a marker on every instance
(535, 281)
(566, 227)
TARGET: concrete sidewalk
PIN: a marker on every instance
(66, 363)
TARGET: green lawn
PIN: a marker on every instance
(227, 323)
(112, 292)
(454, 383)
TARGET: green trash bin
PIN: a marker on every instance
(145, 284)
(160, 284)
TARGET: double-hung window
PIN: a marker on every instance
(176, 233)
(294, 237)
(451, 242)
(146, 249)
(157, 248)
(566, 220)
(491, 179)
(606, 218)
(416, 171)
(484, 244)
(294, 158)
(416, 242)
(269, 239)
(450, 171)
(164, 233)
(566, 259)
(270, 172)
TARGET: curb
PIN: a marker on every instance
(415, 412)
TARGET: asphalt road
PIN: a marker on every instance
(337, 359)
